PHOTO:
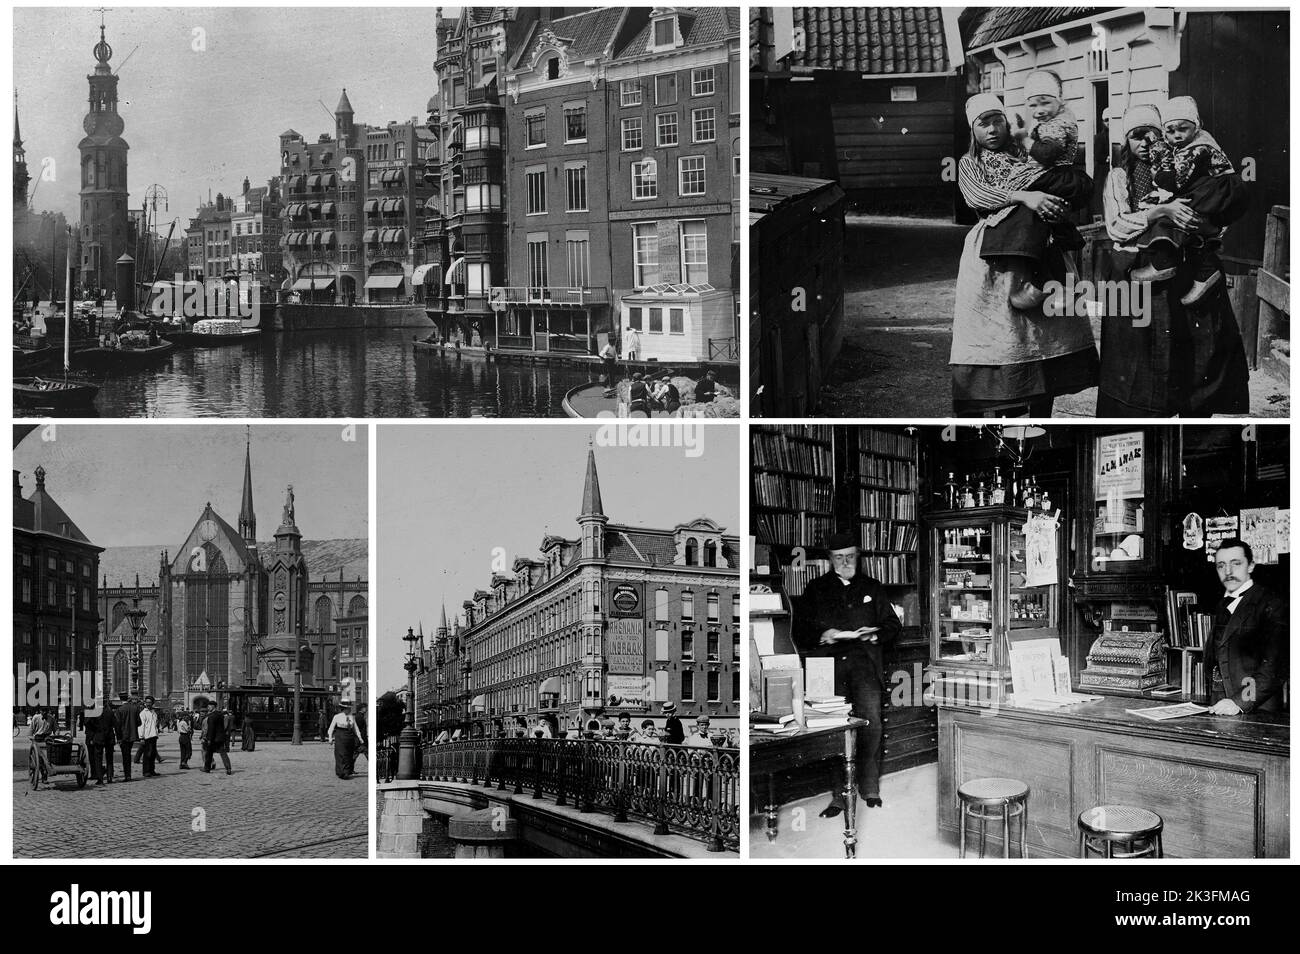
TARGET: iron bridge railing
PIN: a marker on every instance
(687, 790)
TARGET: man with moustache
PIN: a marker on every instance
(847, 614)
(1246, 651)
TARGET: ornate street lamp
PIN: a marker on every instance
(407, 741)
(136, 616)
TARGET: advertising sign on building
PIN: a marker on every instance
(629, 692)
(625, 646)
(625, 600)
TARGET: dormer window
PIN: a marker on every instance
(666, 34)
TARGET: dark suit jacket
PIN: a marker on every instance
(127, 717)
(102, 729)
(1251, 653)
(214, 729)
(828, 603)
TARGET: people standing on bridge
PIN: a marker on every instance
(647, 735)
(185, 736)
(127, 718)
(674, 734)
(214, 739)
(345, 736)
(700, 737)
(149, 737)
(623, 731)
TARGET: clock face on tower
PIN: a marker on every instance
(207, 530)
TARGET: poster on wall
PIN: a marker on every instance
(629, 692)
(625, 646)
(1259, 530)
(1040, 552)
(1216, 530)
(1283, 530)
(1193, 532)
(1119, 465)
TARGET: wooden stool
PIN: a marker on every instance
(1134, 831)
(985, 798)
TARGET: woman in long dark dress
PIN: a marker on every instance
(248, 736)
(345, 736)
(1176, 359)
(1008, 361)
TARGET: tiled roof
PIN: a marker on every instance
(995, 24)
(588, 32)
(700, 27)
(881, 40)
(46, 516)
(120, 565)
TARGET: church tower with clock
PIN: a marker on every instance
(104, 229)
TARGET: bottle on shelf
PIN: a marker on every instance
(1045, 502)
(967, 495)
(981, 495)
(1030, 494)
(950, 493)
(998, 496)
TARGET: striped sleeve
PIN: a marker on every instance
(976, 190)
(1121, 224)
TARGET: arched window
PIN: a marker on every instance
(357, 606)
(324, 615)
(710, 553)
(553, 68)
(119, 614)
(121, 674)
(692, 549)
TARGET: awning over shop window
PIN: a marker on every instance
(313, 284)
(313, 207)
(422, 272)
(328, 208)
(394, 206)
(331, 180)
(370, 236)
(478, 702)
(313, 182)
(372, 206)
(392, 177)
(399, 235)
(549, 686)
(385, 281)
(456, 273)
(295, 183)
(327, 238)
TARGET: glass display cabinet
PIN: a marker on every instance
(980, 602)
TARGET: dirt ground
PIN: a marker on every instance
(898, 305)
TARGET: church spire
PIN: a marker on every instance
(247, 518)
(21, 177)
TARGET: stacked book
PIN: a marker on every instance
(822, 713)
(1129, 661)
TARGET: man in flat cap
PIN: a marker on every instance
(847, 615)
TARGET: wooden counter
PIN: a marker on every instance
(1222, 784)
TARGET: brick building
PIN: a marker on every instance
(620, 619)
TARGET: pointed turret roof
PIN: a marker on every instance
(18, 135)
(344, 106)
(442, 622)
(48, 517)
(591, 505)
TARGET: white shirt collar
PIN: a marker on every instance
(1236, 595)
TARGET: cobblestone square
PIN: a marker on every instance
(281, 801)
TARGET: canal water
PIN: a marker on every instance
(336, 374)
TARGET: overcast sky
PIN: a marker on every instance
(448, 494)
(139, 484)
(204, 119)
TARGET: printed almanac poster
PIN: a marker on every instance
(1217, 529)
(1119, 465)
(1259, 529)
